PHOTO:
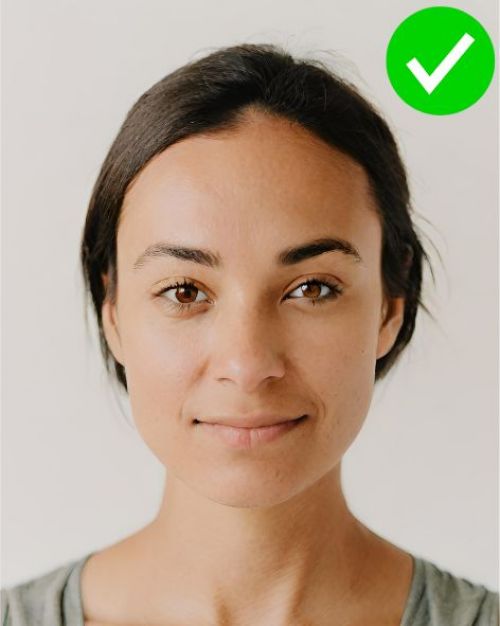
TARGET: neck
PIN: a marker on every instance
(245, 564)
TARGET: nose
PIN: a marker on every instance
(247, 349)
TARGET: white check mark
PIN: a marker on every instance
(430, 81)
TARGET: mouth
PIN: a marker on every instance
(245, 437)
(256, 421)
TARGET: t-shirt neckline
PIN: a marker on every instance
(73, 595)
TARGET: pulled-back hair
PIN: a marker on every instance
(210, 95)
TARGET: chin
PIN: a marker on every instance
(236, 489)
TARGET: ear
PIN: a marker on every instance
(392, 314)
(110, 325)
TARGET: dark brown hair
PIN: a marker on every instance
(210, 95)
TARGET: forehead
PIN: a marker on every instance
(268, 182)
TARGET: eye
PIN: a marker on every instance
(185, 290)
(317, 285)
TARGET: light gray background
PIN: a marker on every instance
(423, 471)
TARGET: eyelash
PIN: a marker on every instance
(336, 291)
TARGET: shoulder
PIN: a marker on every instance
(38, 601)
(440, 598)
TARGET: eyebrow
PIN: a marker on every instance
(288, 256)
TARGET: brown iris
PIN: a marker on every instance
(183, 290)
(315, 287)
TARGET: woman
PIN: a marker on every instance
(254, 270)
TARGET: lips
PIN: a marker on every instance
(248, 438)
(256, 421)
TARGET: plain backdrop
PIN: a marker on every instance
(423, 471)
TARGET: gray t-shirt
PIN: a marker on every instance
(436, 598)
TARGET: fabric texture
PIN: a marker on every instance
(436, 598)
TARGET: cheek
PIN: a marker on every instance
(342, 377)
(161, 363)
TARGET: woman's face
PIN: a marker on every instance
(257, 337)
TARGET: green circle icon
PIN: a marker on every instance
(440, 60)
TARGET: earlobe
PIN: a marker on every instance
(392, 315)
